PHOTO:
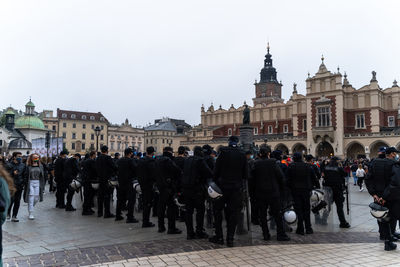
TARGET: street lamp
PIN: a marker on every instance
(97, 131)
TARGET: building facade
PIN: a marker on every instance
(77, 130)
(124, 136)
(333, 118)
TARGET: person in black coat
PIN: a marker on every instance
(17, 171)
(168, 174)
(180, 162)
(125, 192)
(268, 181)
(194, 179)
(71, 170)
(382, 184)
(88, 177)
(105, 169)
(59, 178)
(301, 180)
(147, 177)
(334, 177)
(231, 169)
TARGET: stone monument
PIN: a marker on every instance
(246, 130)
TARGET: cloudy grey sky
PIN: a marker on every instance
(148, 59)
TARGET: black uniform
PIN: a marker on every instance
(334, 177)
(268, 181)
(301, 180)
(61, 185)
(180, 162)
(125, 192)
(88, 177)
(231, 169)
(147, 177)
(71, 170)
(105, 169)
(19, 185)
(378, 179)
(195, 174)
(50, 168)
(253, 199)
(168, 174)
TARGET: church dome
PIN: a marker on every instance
(29, 122)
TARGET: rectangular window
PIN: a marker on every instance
(92, 126)
(64, 124)
(324, 116)
(391, 122)
(112, 145)
(270, 129)
(285, 128)
(119, 146)
(73, 135)
(64, 135)
(256, 131)
(54, 127)
(102, 127)
(83, 146)
(74, 125)
(101, 137)
(360, 121)
(83, 126)
(91, 146)
(83, 136)
(73, 146)
(304, 125)
(92, 137)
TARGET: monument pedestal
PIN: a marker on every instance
(246, 137)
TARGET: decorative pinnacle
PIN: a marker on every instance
(345, 75)
(338, 69)
(308, 74)
(394, 83)
(322, 59)
(268, 47)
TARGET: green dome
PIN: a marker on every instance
(28, 121)
(30, 104)
(9, 112)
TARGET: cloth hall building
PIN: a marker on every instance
(333, 118)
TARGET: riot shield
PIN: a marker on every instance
(244, 223)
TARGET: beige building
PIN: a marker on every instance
(166, 132)
(77, 130)
(333, 118)
(124, 136)
(50, 121)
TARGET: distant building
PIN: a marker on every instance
(124, 136)
(77, 130)
(166, 132)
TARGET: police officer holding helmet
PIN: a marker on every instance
(231, 169)
(334, 177)
(268, 181)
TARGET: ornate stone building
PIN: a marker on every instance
(333, 118)
(124, 136)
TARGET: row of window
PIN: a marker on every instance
(83, 126)
(164, 141)
(92, 136)
(126, 137)
(270, 130)
(162, 133)
(80, 146)
(122, 145)
(83, 117)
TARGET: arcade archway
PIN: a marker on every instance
(283, 148)
(354, 150)
(299, 148)
(324, 149)
(374, 147)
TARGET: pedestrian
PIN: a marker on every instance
(125, 191)
(360, 173)
(88, 177)
(59, 178)
(34, 183)
(353, 169)
(17, 170)
(168, 174)
(50, 167)
(268, 181)
(334, 178)
(180, 162)
(105, 169)
(71, 171)
(7, 190)
(194, 179)
(231, 170)
(147, 178)
(301, 179)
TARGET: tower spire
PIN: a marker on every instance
(268, 47)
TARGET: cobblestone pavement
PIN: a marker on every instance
(59, 238)
(326, 255)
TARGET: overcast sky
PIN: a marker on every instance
(143, 60)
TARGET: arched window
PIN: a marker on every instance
(229, 132)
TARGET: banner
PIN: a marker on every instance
(39, 146)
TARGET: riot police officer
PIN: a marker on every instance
(71, 170)
(88, 177)
(59, 178)
(168, 174)
(267, 179)
(334, 177)
(301, 180)
(147, 178)
(195, 174)
(231, 169)
(378, 179)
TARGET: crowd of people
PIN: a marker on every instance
(216, 185)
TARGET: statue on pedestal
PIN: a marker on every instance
(246, 115)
